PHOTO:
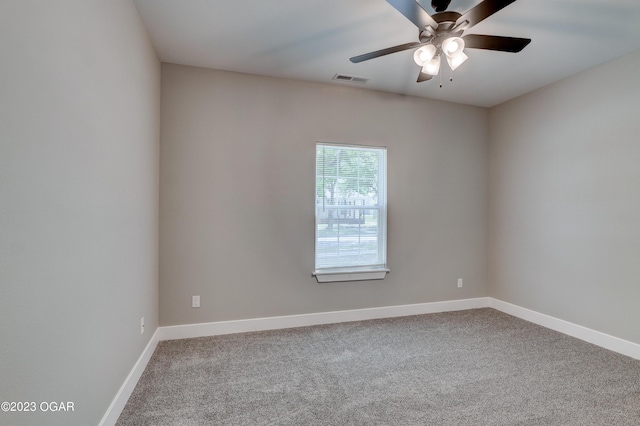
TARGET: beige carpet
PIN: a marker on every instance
(477, 367)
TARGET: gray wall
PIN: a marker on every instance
(565, 199)
(79, 148)
(237, 205)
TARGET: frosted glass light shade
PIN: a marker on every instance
(453, 46)
(457, 60)
(424, 54)
(433, 66)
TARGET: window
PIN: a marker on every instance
(351, 213)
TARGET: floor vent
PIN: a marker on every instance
(350, 78)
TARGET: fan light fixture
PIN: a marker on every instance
(456, 61)
(423, 55)
(429, 56)
(433, 66)
(452, 46)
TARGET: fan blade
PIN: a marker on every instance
(483, 10)
(383, 52)
(423, 76)
(414, 12)
(488, 42)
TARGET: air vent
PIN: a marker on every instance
(350, 78)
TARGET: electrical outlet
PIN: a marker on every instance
(141, 325)
(195, 301)
(460, 283)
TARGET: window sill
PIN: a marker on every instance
(350, 274)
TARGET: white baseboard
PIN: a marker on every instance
(117, 405)
(583, 333)
(272, 323)
(290, 321)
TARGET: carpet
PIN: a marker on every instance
(475, 367)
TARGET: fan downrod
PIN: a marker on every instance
(440, 5)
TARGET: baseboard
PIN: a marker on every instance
(291, 321)
(117, 405)
(583, 333)
(272, 323)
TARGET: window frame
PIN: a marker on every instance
(356, 273)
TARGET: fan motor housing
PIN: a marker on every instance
(446, 23)
(445, 19)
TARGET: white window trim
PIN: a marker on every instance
(350, 274)
(356, 273)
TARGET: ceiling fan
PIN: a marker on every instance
(442, 33)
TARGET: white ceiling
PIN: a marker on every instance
(313, 40)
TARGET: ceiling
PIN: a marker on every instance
(313, 40)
